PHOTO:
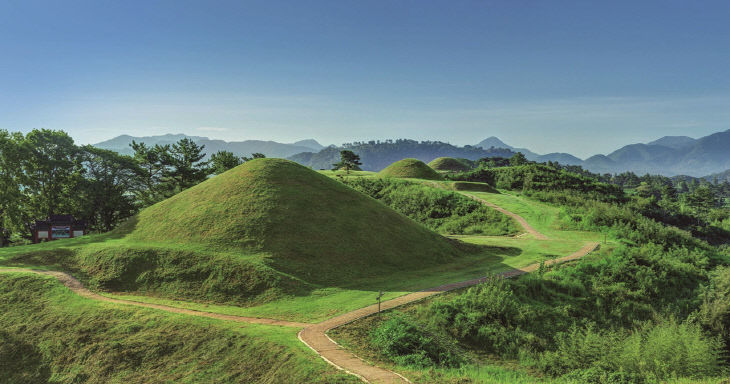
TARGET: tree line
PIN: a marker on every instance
(44, 172)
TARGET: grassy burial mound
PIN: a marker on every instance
(410, 169)
(267, 228)
(449, 164)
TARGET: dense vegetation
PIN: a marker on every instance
(652, 309)
(440, 210)
(50, 335)
(44, 173)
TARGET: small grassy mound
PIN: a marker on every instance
(410, 169)
(473, 187)
(449, 164)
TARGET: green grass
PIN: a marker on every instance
(449, 164)
(326, 302)
(265, 230)
(245, 282)
(545, 219)
(410, 169)
(50, 334)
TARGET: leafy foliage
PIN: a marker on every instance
(404, 342)
(440, 210)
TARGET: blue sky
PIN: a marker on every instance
(571, 76)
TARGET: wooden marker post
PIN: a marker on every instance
(380, 295)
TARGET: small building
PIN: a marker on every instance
(57, 227)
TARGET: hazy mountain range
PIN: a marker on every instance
(669, 155)
(376, 155)
(240, 148)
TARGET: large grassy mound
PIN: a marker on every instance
(265, 230)
(304, 223)
(449, 164)
(410, 169)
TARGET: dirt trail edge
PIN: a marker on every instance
(315, 336)
(78, 288)
(527, 227)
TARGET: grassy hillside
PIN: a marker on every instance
(302, 221)
(265, 233)
(52, 335)
(410, 169)
(449, 164)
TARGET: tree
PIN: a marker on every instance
(50, 163)
(186, 167)
(518, 159)
(11, 197)
(222, 161)
(151, 162)
(702, 200)
(256, 155)
(348, 160)
(109, 186)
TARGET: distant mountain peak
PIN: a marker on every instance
(309, 143)
(493, 141)
(676, 142)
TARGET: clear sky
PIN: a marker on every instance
(583, 77)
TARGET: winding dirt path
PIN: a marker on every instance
(315, 336)
(521, 220)
(78, 288)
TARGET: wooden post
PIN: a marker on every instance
(380, 295)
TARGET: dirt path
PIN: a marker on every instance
(527, 227)
(315, 336)
(76, 287)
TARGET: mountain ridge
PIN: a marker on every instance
(239, 148)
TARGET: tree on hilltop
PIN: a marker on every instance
(348, 161)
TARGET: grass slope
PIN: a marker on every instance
(410, 169)
(267, 232)
(305, 223)
(51, 335)
(449, 164)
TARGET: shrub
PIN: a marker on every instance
(440, 210)
(404, 342)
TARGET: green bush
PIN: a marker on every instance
(404, 342)
(653, 352)
(440, 210)
(714, 313)
(670, 349)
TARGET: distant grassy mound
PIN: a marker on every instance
(473, 187)
(410, 169)
(449, 164)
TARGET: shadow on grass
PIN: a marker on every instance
(227, 278)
